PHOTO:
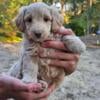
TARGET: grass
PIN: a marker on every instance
(13, 39)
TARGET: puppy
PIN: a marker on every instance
(38, 22)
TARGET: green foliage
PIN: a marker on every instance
(86, 18)
(12, 39)
(8, 11)
(80, 18)
(78, 25)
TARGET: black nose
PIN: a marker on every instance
(37, 34)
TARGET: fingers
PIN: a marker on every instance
(44, 95)
(34, 87)
(16, 85)
(64, 31)
(60, 55)
(44, 99)
(59, 63)
(31, 96)
(12, 83)
(69, 66)
(54, 44)
(58, 44)
(18, 89)
(24, 96)
(68, 61)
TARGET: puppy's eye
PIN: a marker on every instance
(46, 19)
(29, 20)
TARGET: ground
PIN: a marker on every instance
(83, 84)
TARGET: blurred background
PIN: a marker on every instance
(83, 16)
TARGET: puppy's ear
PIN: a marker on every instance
(19, 20)
(57, 19)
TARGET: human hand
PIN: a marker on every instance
(61, 57)
(14, 88)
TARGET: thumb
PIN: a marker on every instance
(12, 83)
(64, 31)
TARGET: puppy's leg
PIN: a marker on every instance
(74, 44)
(29, 70)
(58, 80)
(15, 70)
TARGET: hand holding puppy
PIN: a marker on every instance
(65, 56)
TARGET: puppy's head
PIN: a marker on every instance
(38, 21)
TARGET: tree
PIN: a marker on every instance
(88, 8)
(8, 11)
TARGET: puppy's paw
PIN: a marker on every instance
(44, 85)
(74, 44)
(35, 87)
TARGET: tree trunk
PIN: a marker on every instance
(89, 5)
(62, 5)
(75, 7)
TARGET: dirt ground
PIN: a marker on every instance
(83, 84)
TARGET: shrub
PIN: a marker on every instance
(78, 25)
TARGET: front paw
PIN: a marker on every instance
(38, 87)
(44, 85)
(35, 87)
(74, 44)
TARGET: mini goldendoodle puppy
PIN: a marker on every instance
(38, 21)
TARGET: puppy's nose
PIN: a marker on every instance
(37, 34)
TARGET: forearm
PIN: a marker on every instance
(2, 89)
(4, 94)
(5, 91)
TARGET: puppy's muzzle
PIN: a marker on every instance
(38, 34)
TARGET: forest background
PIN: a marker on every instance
(83, 16)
